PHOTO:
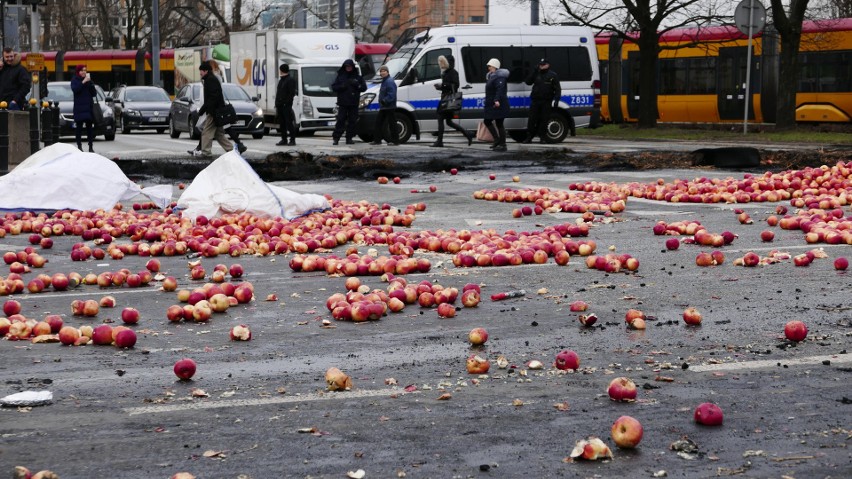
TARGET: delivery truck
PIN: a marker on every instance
(314, 57)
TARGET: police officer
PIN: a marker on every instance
(546, 91)
(284, 95)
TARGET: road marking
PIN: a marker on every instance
(199, 405)
(772, 363)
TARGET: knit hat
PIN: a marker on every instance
(205, 67)
(385, 68)
(80, 68)
(494, 63)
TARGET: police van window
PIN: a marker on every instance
(570, 63)
(427, 67)
(514, 59)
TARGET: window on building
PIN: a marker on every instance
(98, 42)
(90, 21)
(477, 19)
(211, 23)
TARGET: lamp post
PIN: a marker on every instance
(155, 43)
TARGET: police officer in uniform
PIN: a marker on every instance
(546, 91)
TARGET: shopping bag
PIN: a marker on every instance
(451, 103)
(482, 133)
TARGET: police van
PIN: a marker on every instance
(413, 64)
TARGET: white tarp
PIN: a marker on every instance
(230, 185)
(62, 177)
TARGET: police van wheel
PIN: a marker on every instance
(557, 128)
(404, 126)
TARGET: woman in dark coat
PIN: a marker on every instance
(84, 96)
(496, 103)
(449, 85)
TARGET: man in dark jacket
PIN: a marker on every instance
(546, 90)
(386, 121)
(348, 85)
(15, 80)
(213, 100)
(284, 95)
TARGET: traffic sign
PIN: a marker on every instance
(750, 13)
(35, 62)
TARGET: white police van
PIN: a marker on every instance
(413, 63)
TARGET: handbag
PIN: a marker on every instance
(97, 113)
(482, 133)
(452, 102)
(225, 115)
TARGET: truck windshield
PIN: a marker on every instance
(316, 81)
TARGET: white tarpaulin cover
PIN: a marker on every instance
(62, 177)
(230, 185)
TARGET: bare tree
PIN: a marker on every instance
(244, 16)
(789, 27)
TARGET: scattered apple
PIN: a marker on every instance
(795, 330)
(622, 389)
(477, 336)
(240, 332)
(125, 338)
(567, 359)
(477, 365)
(708, 414)
(692, 316)
(130, 315)
(626, 432)
(185, 369)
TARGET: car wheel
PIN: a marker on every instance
(161, 130)
(557, 128)
(110, 136)
(124, 128)
(173, 131)
(404, 126)
(194, 133)
(257, 136)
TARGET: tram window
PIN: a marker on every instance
(673, 75)
(835, 72)
(702, 76)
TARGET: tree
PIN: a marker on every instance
(643, 22)
(789, 27)
(244, 16)
(360, 18)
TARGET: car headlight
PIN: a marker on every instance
(132, 112)
(258, 112)
(366, 99)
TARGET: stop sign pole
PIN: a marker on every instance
(750, 17)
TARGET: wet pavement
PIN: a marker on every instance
(263, 410)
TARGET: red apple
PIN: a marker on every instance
(185, 369)
(55, 322)
(90, 308)
(477, 336)
(767, 236)
(153, 265)
(453, 171)
(588, 319)
(692, 316)
(795, 331)
(236, 270)
(672, 244)
(107, 302)
(708, 414)
(11, 307)
(477, 365)
(626, 432)
(567, 359)
(125, 338)
(174, 313)
(840, 264)
(102, 335)
(622, 389)
(130, 315)
(578, 306)
(68, 335)
(446, 310)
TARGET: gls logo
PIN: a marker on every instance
(254, 70)
(331, 47)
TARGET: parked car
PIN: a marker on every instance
(184, 112)
(140, 108)
(60, 91)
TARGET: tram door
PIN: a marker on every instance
(732, 81)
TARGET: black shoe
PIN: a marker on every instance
(79, 147)
(91, 150)
(336, 141)
(281, 143)
(438, 144)
(500, 147)
(469, 137)
(350, 142)
(375, 142)
(527, 141)
(573, 132)
(241, 148)
(493, 146)
(291, 143)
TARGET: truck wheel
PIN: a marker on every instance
(557, 128)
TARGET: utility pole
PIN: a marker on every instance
(155, 43)
(534, 12)
(35, 27)
(341, 14)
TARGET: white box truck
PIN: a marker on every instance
(314, 56)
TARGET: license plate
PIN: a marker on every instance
(157, 119)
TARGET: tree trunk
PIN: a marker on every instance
(648, 44)
(785, 109)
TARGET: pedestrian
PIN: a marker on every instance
(496, 103)
(348, 85)
(449, 85)
(546, 90)
(213, 100)
(284, 95)
(386, 121)
(84, 104)
(15, 81)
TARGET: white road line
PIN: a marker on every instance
(772, 363)
(201, 404)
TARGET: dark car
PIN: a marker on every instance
(61, 91)
(140, 108)
(184, 112)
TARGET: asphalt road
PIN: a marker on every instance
(266, 413)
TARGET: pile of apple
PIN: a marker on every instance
(355, 265)
(360, 303)
(612, 263)
(211, 298)
(597, 197)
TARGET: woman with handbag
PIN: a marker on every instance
(496, 103)
(84, 105)
(449, 87)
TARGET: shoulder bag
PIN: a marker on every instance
(452, 102)
(225, 115)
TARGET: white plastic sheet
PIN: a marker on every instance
(230, 185)
(63, 177)
(28, 398)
